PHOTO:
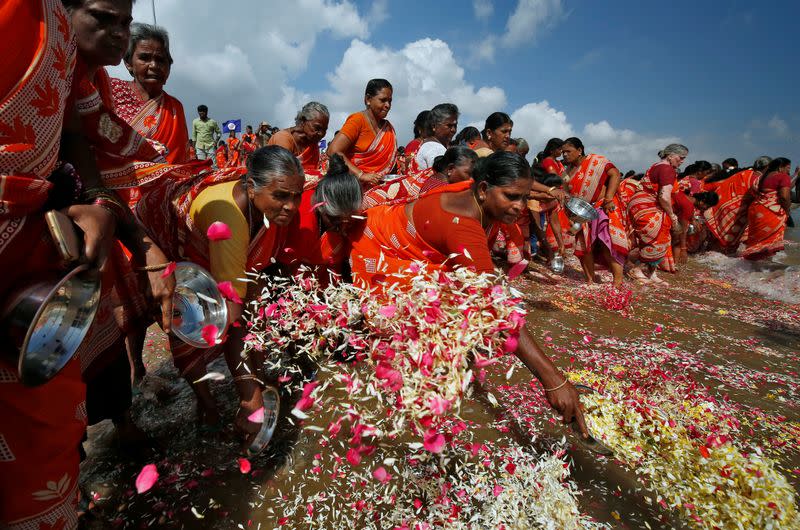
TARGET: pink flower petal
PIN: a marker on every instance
(381, 475)
(209, 334)
(388, 311)
(353, 456)
(433, 441)
(147, 477)
(257, 416)
(169, 270)
(517, 269)
(511, 343)
(438, 405)
(227, 290)
(498, 489)
(244, 465)
(218, 231)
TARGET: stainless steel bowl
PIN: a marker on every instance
(272, 408)
(47, 321)
(196, 304)
(557, 265)
(580, 211)
(692, 230)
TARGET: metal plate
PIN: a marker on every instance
(197, 303)
(272, 408)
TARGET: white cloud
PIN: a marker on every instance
(538, 122)
(423, 74)
(379, 11)
(627, 149)
(529, 19)
(483, 9)
(778, 127)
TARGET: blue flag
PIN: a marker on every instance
(236, 123)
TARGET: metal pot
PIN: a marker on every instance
(196, 304)
(47, 321)
(557, 265)
(691, 230)
(580, 211)
(272, 408)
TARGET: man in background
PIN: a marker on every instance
(205, 133)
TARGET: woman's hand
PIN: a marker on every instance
(250, 400)
(609, 206)
(567, 402)
(681, 256)
(559, 195)
(161, 288)
(371, 179)
(98, 225)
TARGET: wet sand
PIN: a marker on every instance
(736, 345)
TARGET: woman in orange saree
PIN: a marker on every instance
(143, 103)
(726, 222)
(652, 217)
(595, 179)
(42, 426)
(447, 229)
(767, 214)
(367, 140)
(230, 222)
(317, 236)
(249, 143)
(454, 166)
(310, 126)
(234, 150)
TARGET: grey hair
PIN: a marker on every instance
(268, 163)
(441, 112)
(141, 32)
(762, 162)
(309, 111)
(673, 149)
(339, 192)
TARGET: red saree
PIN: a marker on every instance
(322, 253)
(766, 224)
(728, 219)
(249, 145)
(161, 119)
(650, 225)
(41, 427)
(165, 211)
(409, 187)
(589, 183)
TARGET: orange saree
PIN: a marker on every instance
(161, 119)
(589, 184)
(234, 155)
(42, 426)
(650, 225)
(379, 158)
(410, 186)
(766, 221)
(728, 219)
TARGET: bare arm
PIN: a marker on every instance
(665, 201)
(342, 143)
(564, 398)
(614, 178)
(785, 199)
(555, 225)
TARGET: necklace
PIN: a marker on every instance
(479, 207)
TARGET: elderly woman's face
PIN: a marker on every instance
(380, 104)
(446, 129)
(675, 160)
(102, 29)
(150, 66)
(278, 200)
(571, 153)
(316, 128)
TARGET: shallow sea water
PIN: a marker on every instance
(731, 326)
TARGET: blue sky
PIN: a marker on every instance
(626, 76)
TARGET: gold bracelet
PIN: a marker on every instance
(557, 387)
(154, 268)
(248, 377)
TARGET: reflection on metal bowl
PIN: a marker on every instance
(272, 408)
(557, 265)
(48, 320)
(196, 303)
(580, 211)
(692, 230)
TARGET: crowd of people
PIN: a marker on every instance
(117, 158)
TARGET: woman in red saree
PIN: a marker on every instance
(454, 166)
(727, 220)
(410, 151)
(255, 204)
(595, 179)
(317, 236)
(234, 150)
(142, 102)
(767, 213)
(249, 143)
(221, 155)
(310, 126)
(652, 217)
(455, 220)
(367, 140)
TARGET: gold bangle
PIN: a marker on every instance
(551, 189)
(557, 387)
(154, 268)
(248, 377)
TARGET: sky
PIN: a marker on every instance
(627, 77)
